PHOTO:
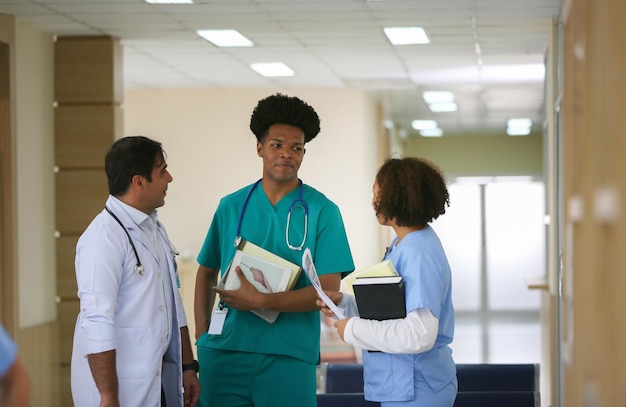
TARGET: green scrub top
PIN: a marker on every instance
(295, 334)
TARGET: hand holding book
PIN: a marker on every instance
(253, 270)
(242, 297)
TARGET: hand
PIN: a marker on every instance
(341, 327)
(191, 388)
(335, 296)
(245, 298)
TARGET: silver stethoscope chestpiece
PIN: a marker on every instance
(139, 269)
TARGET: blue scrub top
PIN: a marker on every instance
(295, 334)
(421, 261)
(8, 351)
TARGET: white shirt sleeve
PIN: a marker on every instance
(348, 306)
(415, 333)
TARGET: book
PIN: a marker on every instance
(267, 271)
(249, 247)
(382, 269)
(380, 298)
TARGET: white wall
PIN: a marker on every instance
(211, 152)
(34, 124)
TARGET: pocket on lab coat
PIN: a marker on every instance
(136, 353)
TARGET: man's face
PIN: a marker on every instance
(154, 191)
(282, 151)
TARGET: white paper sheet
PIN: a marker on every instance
(309, 269)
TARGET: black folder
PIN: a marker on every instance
(380, 298)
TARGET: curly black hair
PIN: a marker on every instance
(283, 109)
(412, 190)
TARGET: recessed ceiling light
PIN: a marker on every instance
(518, 127)
(517, 132)
(406, 35)
(169, 1)
(273, 69)
(519, 123)
(437, 132)
(424, 124)
(443, 107)
(225, 38)
(438, 96)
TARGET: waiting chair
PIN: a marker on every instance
(343, 377)
(345, 400)
(497, 399)
(498, 377)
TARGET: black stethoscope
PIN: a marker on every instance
(139, 269)
(297, 202)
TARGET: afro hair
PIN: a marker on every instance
(283, 109)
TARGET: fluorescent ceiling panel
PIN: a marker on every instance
(519, 123)
(443, 107)
(169, 1)
(438, 97)
(406, 35)
(273, 69)
(225, 38)
(431, 132)
(424, 124)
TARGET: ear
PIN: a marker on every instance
(259, 147)
(137, 182)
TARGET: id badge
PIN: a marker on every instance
(217, 321)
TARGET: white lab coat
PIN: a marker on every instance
(123, 310)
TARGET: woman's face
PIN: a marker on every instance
(381, 218)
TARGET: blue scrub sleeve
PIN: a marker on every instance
(8, 351)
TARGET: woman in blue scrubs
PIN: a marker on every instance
(408, 361)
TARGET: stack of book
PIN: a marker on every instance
(379, 291)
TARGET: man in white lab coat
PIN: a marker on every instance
(131, 343)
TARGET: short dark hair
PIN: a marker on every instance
(283, 109)
(412, 190)
(130, 156)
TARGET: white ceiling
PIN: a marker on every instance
(332, 43)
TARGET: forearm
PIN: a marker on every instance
(204, 298)
(15, 386)
(414, 334)
(185, 342)
(103, 370)
(302, 299)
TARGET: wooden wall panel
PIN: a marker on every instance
(66, 276)
(68, 311)
(87, 70)
(65, 387)
(594, 302)
(7, 269)
(80, 195)
(88, 118)
(35, 344)
(84, 133)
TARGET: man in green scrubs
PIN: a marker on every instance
(244, 360)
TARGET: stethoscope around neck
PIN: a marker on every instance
(139, 269)
(298, 201)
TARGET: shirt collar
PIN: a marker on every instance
(138, 217)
